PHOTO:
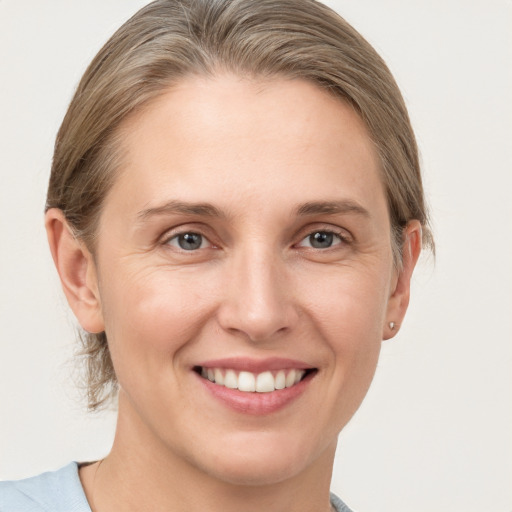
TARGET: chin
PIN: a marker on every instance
(267, 461)
(261, 472)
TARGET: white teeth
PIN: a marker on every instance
(264, 382)
(280, 380)
(246, 382)
(231, 380)
(290, 379)
(219, 378)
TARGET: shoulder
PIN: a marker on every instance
(55, 491)
(338, 505)
(61, 491)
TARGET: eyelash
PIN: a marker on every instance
(343, 238)
(176, 237)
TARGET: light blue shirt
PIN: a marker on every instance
(55, 491)
(62, 491)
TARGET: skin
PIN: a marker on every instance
(256, 151)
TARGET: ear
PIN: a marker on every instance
(77, 271)
(401, 288)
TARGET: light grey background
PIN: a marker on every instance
(435, 432)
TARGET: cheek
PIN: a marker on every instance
(349, 305)
(151, 315)
(348, 311)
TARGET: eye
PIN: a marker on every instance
(189, 241)
(321, 240)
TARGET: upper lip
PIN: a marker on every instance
(255, 365)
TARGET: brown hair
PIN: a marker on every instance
(169, 39)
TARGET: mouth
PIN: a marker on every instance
(249, 382)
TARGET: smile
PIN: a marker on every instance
(263, 382)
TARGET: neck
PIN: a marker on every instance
(141, 474)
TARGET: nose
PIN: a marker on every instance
(258, 299)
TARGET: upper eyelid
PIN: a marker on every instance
(171, 233)
(343, 233)
(343, 240)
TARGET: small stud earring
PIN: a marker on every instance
(392, 325)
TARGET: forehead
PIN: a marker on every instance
(228, 136)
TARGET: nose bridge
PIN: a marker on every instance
(258, 299)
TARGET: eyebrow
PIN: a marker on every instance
(208, 210)
(180, 207)
(332, 208)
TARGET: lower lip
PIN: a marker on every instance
(257, 403)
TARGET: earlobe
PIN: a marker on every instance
(77, 271)
(400, 293)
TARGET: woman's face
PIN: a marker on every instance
(246, 239)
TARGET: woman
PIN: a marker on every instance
(235, 211)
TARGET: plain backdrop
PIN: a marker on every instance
(435, 432)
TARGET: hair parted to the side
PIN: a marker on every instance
(170, 39)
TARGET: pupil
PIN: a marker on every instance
(190, 241)
(321, 240)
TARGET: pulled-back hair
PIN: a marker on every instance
(170, 39)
